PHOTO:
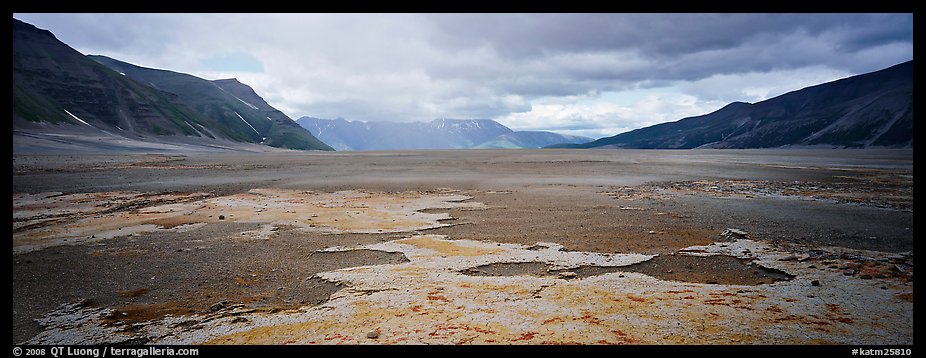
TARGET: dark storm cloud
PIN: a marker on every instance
(671, 39)
(528, 70)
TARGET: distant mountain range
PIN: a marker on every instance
(61, 97)
(437, 134)
(868, 110)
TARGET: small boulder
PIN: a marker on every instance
(733, 234)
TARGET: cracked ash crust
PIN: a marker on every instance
(429, 300)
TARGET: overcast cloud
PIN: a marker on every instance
(587, 74)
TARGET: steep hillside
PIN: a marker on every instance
(56, 88)
(868, 110)
(240, 111)
(63, 98)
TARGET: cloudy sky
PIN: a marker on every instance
(587, 74)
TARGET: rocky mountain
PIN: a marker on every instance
(868, 110)
(63, 98)
(233, 104)
(437, 134)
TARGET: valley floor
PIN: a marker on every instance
(465, 247)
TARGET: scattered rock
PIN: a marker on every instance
(221, 217)
(374, 334)
(567, 275)
(815, 283)
(218, 306)
(651, 232)
(733, 234)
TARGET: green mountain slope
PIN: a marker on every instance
(251, 119)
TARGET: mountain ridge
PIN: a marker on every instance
(441, 133)
(235, 104)
(62, 96)
(868, 110)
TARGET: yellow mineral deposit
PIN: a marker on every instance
(51, 219)
(430, 299)
(435, 297)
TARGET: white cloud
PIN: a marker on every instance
(758, 86)
(531, 71)
(603, 115)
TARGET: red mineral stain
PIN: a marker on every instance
(526, 336)
(436, 297)
(483, 331)
(588, 317)
(335, 336)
